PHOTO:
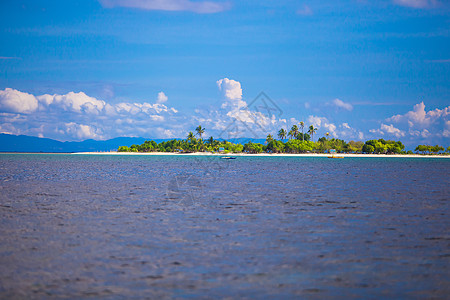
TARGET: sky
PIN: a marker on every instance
(99, 69)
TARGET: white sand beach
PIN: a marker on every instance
(269, 154)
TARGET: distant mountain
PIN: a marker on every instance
(23, 143)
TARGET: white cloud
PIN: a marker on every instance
(234, 106)
(331, 128)
(416, 3)
(422, 123)
(202, 7)
(231, 89)
(322, 122)
(392, 130)
(75, 102)
(77, 116)
(162, 98)
(343, 131)
(235, 118)
(15, 101)
(346, 132)
(446, 132)
(388, 129)
(82, 132)
(317, 121)
(157, 118)
(341, 104)
(345, 125)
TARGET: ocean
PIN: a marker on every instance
(120, 227)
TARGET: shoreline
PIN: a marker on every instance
(343, 155)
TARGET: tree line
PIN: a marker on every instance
(292, 141)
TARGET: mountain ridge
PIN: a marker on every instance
(32, 144)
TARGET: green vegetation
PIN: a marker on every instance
(430, 149)
(298, 142)
(382, 146)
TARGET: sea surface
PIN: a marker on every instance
(136, 227)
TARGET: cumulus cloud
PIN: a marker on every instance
(202, 7)
(15, 101)
(162, 97)
(416, 3)
(77, 116)
(341, 104)
(342, 131)
(231, 89)
(390, 130)
(419, 117)
(422, 123)
(236, 118)
(322, 122)
(81, 131)
(75, 102)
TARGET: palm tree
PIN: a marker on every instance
(210, 140)
(269, 138)
(302, 125)
(291, 134)
(295, 131)
(282, 133)
(190, 136)
(327, 135)
(200, 130)
(311, 131)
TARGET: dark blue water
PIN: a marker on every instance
(113, 227)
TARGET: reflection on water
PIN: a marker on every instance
(183, 226)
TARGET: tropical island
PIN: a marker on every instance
(290, 142)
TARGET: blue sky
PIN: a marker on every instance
(73, 70)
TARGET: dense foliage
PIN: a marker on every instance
(430, 149)
(297, 142)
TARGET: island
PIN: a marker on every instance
(292, 142)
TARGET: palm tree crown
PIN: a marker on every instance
(190, 136)
(282, 133)
(295, 131)
(291, 134)
(311, 131)
(200, 130)
(302, 125)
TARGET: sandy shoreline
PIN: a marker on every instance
(267, 154)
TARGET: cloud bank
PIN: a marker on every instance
(342, 131)
(416, 3)
(77, 116)
(418, 124)
(201, 7)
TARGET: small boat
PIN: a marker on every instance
(228, 157)
(333, 156)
